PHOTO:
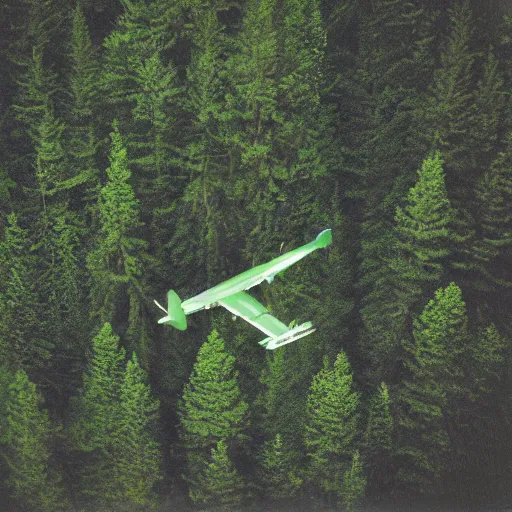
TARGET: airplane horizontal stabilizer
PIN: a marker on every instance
(296, 333)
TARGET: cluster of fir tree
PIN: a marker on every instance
(105, 452)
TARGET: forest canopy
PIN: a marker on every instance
(155, 144)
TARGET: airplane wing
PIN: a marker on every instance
(248, 308)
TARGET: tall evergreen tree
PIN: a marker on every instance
(81, 135)
(278, 475)
(117, 262)
(219, 485)
(378, 444)
(491, 250)
(95, 415)
(331, 427)
(33, 479)
(354, 485)
(384, 148)
(212, 408)
(65, 316)
(23, 344)
(432, 399)
(138, 466)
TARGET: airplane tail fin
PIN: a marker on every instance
(324, 238)
(175, 314)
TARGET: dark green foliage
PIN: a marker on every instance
(212, 407)
(420, 245)
(278, 474)
(331, 427)
(82, 140)
(32, 480)
(117, 263)
(138, 466)
(431, 399)
(219, 485)
(64, 319)
(378, 443)
(354, 484)
(23, 344)
(95, 415)
(245, 128)
(384, 149)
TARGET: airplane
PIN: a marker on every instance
(231, 295)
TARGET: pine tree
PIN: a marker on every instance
(138, 466)
(422, 241)
(212, 407)
(218, 485)
(141, 81)
(278, 475)
(431, 399)
(486, 449)
(81, 135)
(65, 318)
(22, 345)
(33, 480)
(384, 148)
(118, 261)
(331, 427)
(199, 228)
(95, 416)
(377, 443)
(491, 250)
(354, 485)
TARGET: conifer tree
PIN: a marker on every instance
(278, 475)
(118, 261)
(95, 416)
(492, 248)
(422, 240)
(276, 417)
(212, 407)
(377, 443)
(65, 316)
(331, 427)
(138, 466)
(384, 148)
(218, 485)
(451, 112)
(81, 136)
(23, 344)
(354, 485)
(141, 82)
(486, 449)
(432, 397)
(199, 225)
(33, 479)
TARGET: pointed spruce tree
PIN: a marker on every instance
(278, 477)
(33, 479)
(81, 131)
(139, 466)
(219, 485)
(354, 485)
(432, 398)
(117, 262)
(377, 444)
(95, 416)
(211, 408)
(330, 428)
(383, 150)
(22, 341)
